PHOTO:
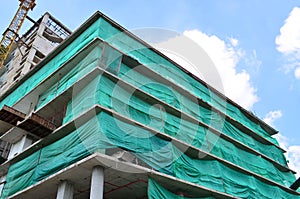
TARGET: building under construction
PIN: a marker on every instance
(99, 113)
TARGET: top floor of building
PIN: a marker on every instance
(29, 49)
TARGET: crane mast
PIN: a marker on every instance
(11, 32)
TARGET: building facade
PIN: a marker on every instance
(46, 33)
(105, 115)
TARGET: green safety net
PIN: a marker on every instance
(51, 66)
(193, 108)
(144, 55)
(168, 70)
(157, 89)
(105, 131)
(110, 94)
(156, 191)
(159, 154)
(80, 69)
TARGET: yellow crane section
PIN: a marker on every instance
(11, 32)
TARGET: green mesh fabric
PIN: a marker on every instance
(164, 93)
(47, 70)
(192, 108)
(159, 64)
(90, 61)
(113, 96)
(105, 30)
(105, 131)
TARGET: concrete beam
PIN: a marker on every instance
(97, 183)
(65, 190)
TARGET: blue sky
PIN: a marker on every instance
(258, 41)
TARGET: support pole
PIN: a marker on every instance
(97, 183)
(65, 190)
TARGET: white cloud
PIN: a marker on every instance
(252, 62)
(292, 154)
(289, 39)
(226, 55)
(288, 42)
(210, 58)
(234, 42)
(297, 72)
(292, 151)
(282, 140)
(272, 116)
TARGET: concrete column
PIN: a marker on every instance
(29, 60)
(19, 146)
(97, 183)
(65, 190)
(42, 26)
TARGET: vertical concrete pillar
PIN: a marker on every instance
(42, 26)
(97, 183)
(35, 45)
(28, 62)
(19, 146)
(65, 190)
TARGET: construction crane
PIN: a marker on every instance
(11, 32)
